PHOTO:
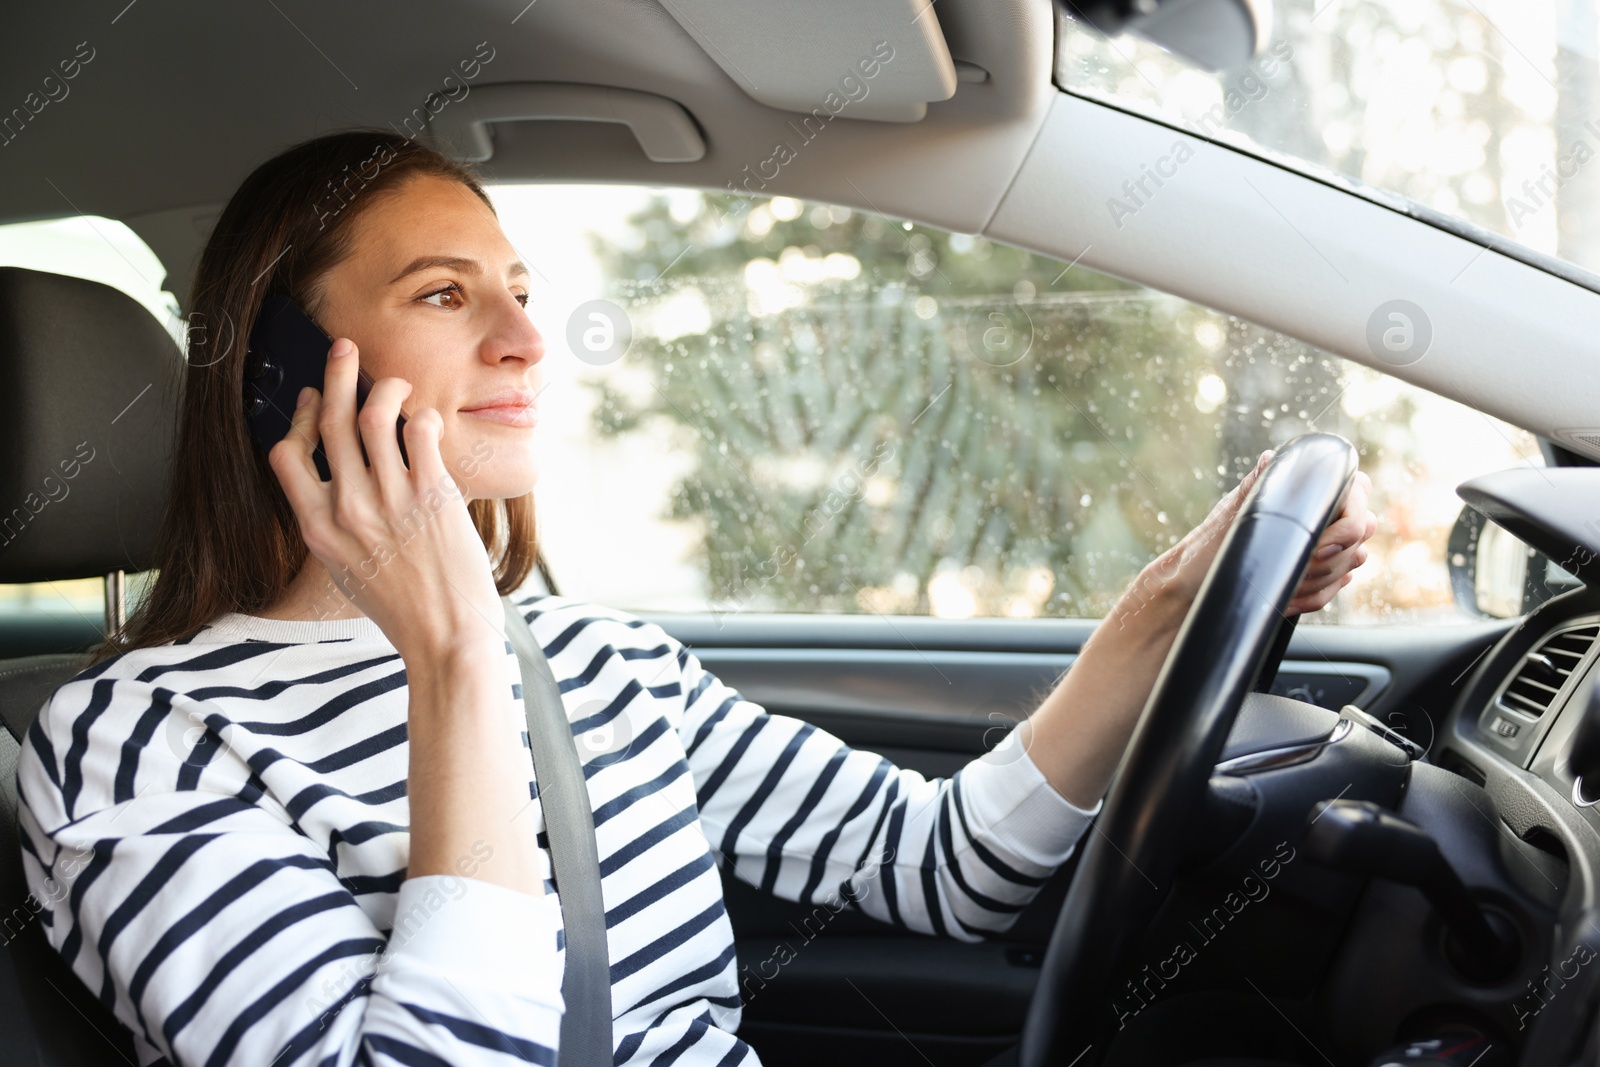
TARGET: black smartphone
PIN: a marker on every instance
(287, 353)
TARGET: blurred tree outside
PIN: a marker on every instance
(891, 418)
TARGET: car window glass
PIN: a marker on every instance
(1484, 110)
(772, 405)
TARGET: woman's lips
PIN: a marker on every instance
(509, 414)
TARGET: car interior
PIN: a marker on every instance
(1353, 844)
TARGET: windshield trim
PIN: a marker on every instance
(1488, 239)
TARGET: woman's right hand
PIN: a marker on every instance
(400, 544)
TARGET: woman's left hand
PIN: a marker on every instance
(1340, 549)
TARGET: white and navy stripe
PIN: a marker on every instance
(217, 830)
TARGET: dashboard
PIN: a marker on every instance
(1514, 725)
(1519, 716)
(1538, 701)
(1522, 707)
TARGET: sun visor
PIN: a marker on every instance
(883, 60)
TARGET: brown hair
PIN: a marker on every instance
(229, 540)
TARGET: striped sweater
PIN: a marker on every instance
(217, 832)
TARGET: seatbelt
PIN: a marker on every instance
(569, 821)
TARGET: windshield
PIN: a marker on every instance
(1487, 110)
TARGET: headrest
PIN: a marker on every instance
(89, 387)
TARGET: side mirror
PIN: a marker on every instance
(1494, 574)
(1210, 34)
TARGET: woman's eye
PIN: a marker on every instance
(452, 291)
(522, 298)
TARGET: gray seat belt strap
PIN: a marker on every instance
(569, 821)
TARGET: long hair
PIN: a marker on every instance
(229, 540)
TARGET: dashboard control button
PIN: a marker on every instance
(1504, 727)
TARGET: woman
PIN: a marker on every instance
(291, 821)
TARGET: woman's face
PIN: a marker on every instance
(432, 292)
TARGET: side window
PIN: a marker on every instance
(107, 251)
(772, 405)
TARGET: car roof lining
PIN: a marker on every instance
(84, 155)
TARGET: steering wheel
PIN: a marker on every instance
(1224, 644)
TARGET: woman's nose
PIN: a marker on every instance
(514, 335)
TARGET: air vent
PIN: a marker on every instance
(1539, 678)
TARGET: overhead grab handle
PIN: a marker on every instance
(663, 128)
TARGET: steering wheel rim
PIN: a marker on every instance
(1127, 865)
